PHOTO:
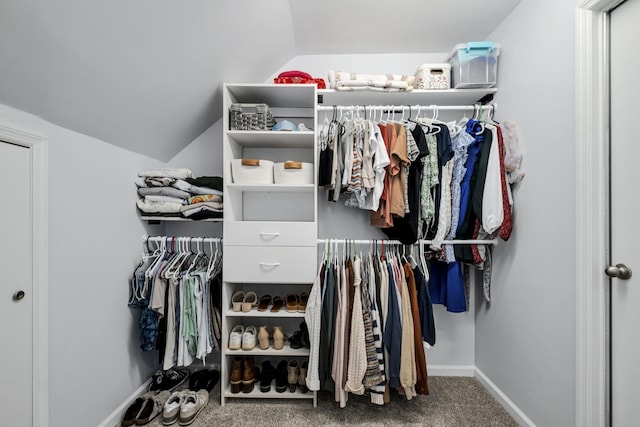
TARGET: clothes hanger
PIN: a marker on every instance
(197, 256)
(210, 264)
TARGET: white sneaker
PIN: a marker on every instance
(235, 337)
(171, 408)
(249, 338)
(193, 403)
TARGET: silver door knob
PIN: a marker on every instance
(619, 271)
(18, 295)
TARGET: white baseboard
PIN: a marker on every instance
(451, 370)
(115, 418)
(502, 398)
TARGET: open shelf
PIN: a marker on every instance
(265, 314)
(158, 219)
(272, 394)
(272, 188)
(286, 351)
(272, 139)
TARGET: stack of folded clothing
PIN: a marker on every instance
(206, 198)
(175, 193)
(341, 80)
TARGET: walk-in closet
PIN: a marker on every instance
(295, 213)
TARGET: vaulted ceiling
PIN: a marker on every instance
(146, 75)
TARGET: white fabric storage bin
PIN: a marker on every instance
(252, 171)
(433, 76)
(293, 173)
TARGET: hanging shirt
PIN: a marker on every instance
(460, 142)
(380, 162)
(492, 209)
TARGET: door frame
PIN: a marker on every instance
(40, 252)
(592, 211)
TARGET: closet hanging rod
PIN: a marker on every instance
(397, 242)
(407, 107)
(158, 239)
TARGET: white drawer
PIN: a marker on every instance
(251, 264)
(270, 234)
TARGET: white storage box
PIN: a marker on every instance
(293, 173)
(474, 65)
(433, 76)
(252, 171)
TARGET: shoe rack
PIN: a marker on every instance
(270, 232)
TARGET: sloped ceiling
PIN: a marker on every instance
(146, 75)
(401, 26)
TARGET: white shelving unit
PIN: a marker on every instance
(270, 230)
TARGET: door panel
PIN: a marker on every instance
(625, 209)
(16, 267)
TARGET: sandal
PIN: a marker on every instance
(250, 300)
(278, 303)
(236, 300)
(302, 305)
(292, 302)
(265, 300)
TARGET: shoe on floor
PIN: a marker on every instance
(210, 379)
(152, 407)
(168, 380)
(193, 403)
(132, 412)
(171, 409)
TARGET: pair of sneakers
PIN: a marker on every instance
(241, 337)
(184, 406)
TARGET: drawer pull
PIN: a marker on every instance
(269, 264)
(269, 236)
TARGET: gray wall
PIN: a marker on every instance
(94, 243)
(525, 340)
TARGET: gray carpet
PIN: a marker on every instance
(453, 401)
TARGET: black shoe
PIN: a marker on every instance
(204, 379)
(210, 380)
(305, 335)
(282, 382)
(300, 338)
(195, 379)
(267, 376)
(168, 380)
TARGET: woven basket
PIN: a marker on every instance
(250, 117)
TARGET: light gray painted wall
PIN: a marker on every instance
(525, 340)
(94, 243)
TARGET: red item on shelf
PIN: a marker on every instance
(298, 77)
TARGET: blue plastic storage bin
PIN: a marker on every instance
(474, 65)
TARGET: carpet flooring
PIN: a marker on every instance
(453, 401)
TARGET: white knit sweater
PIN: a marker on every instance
(312, 316)
(357, 344)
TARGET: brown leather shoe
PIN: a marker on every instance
(248, 375)
(236, 375)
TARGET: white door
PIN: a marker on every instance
(16, 286)
(625, 214)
